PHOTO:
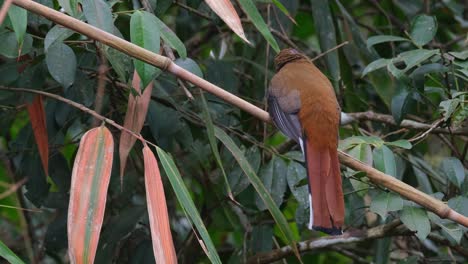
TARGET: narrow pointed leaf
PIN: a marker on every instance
(226, 11)
(8, 255)
(187, 204)
(259, 187)
(38, 122)
(171, 38)
(90, 180)
(134, 119)
(251, 10)
(19, 20)
(163, 245)
(213, 142)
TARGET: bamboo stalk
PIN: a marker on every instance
(164, 63)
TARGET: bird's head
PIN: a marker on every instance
(287, 55)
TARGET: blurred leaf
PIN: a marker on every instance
(9, 256)
(171, 38)
(273, 176)
(19, 21)
(70, 6)
(262, 238)
(452, 232)
(401, 143)
(423, 29)
(325, 28)
(144, 32)
(462, 55)
(259, 187)
(386, 202)
(38, 122)
(375, 65)
(163, 246)
(190, 65)
(135, 117)
(61, 62)
(297, 173)
(454, 170)
(416, 220)
(120, 62)
(423, 180)
(400, 105)
(10, 48)
(448, 107)
(88, 193)
(226, 11)
(186, 202)
(56, 34)
(283, 9)
(411, 59)
(459, 204)
(251, 10)
(419, 74)
(384, 160)
(371, 41)
(99, 14)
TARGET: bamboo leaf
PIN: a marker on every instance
(134, 119)
(226, 11)
(9, 255)
(187, 204)
(171, 38)
(163, 245)
(259, 187)
(88, 193)
(251, 10)
(38, 122)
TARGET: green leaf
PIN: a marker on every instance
(273, 176)
(448, 107)
(61, 62)
(423, 180)
(383, 38)
(419, 74)
(99, 14)
(384, 160)
(261, 238)
(454, 170)
(10, 48)
(453, 232)
(375, 65)
(400, 105)
(401, 143)
(70, 7)
(8, 255)
(462, 55)
(386, 202)
(144, 32)
(423, 29)
(259, 187)
(410, 58)
(19, 21)
(190, 65)
(171, 38)
(121, 62)
(283, 9)
(213, 143)
(416, 220)
(251, 10)
(325, 27)
(297, 173)
(183, 196)
(56, 34)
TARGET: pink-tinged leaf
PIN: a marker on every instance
(134, 119)
(163, 246)
(226, 11)
(88, 193)
(38, 122)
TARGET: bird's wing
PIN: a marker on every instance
(288, 123)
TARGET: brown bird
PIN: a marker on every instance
(303, 105)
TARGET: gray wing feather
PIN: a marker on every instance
(288, 123)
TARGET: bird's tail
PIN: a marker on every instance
(325, 190)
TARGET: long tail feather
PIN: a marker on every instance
(326, 194)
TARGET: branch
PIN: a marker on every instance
(164, 63)
(388, 119)
(392, 229)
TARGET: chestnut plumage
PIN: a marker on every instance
(303, 105)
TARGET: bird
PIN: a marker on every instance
(302, 104)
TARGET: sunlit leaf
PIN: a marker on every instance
(9, 255)
(226, 11)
